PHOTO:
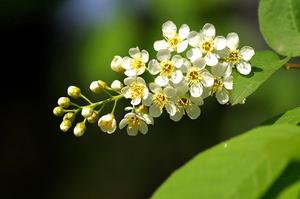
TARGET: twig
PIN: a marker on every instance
(291, 65)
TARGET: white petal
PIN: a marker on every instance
(143, 128)
(159, 45)
(222, 96)
(169, 29)
(244, 68)
(182, 89)
(197, 100)
(141, 71)
(163, 54)
(154, 87)
(178, 115)
(129, 80)
(193, 54)
(145, 93)
(219, 43)
(208, 30)
(206, 93)
(148, 100)
(178, 61)
(154, 67)
(122, 123)
(228, 82)
(136, 101)
(184, 31)
(145, 56)
(155, 111)
(193, 111)
(207, 79)
(177, 76)
(140, 80)
(126, 63)
(132, 131)
(232, 41)
(171, 108)
(113, 127)
(220, 69)
(170, 91)
(196, 90)
(182, 46)
(148, 119)
(194, 38)
(135, 52)
(200, 62)
(211, 59)
(130, 73)
(125, 92)
(162, 81)
(247, 52)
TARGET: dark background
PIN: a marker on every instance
(49, 45)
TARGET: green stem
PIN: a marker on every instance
(74, 104)
(85, 98)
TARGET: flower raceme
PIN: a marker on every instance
(189, 66)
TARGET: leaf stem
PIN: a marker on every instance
(288, 66)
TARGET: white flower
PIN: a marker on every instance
(196, 79)
(135, 123)
(173, 41)
(161, 98)
(189, 105)
(167, 68)
(135, 89)
(116, 64)
(206, 45)
(236, 57)
(108, 123)
(135, 64)
(223, 81)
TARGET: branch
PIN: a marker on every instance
(291, 65)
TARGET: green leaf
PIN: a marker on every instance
(292, 192)
(243, 167)
(264, 63)
(290, 117)
(279, 22)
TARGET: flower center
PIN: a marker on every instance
(206, 46)
(233, 57)
(166, 68)
(142, 109)
(174, 41)
(106, 124)
(183, 102)
(160, 99)
(194, 75)
(133, 121)
(136, 90)
(218, 85)
(137, 63)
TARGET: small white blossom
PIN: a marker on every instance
(223, 82)
(205, 45)
(135, 123)
(135, 89)
(135, 64)
(166, 68)
(236, 57)
(117, 64)
(196, 79)
(160, 99)
(173, 41)
(188, 105)
(116, 85)
(107, 123)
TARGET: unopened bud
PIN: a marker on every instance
(93, 118)
(116, 64)
(74, 92)
(97, 86)
(65, 125)
(79, 129)
(87, 111)
(107, 123)
(64, 102)
(69, 116)
(116, 85)
(58, 111)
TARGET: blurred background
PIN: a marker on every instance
(49, 45)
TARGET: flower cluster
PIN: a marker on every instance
(189, 67)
